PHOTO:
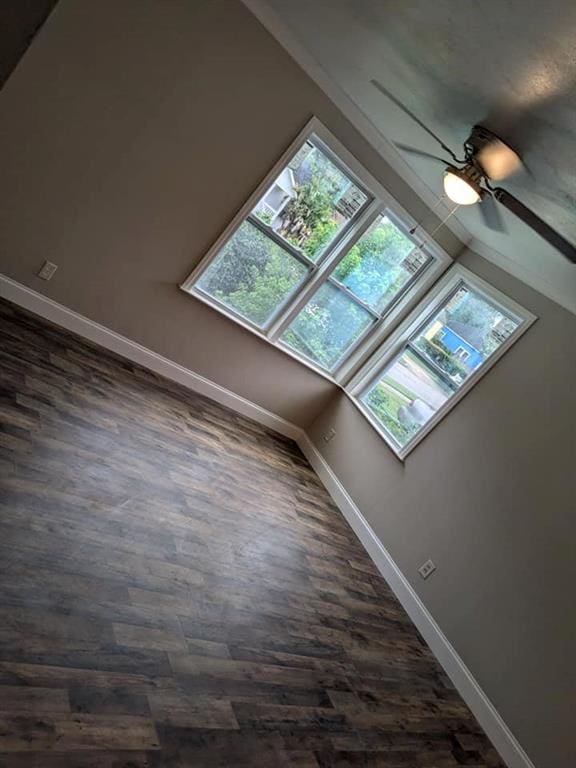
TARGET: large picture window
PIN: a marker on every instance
(449, 342)
(323, 263)
(319, 257)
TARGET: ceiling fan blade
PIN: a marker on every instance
(377, 84)
(418, 152)
(536, 223)
(490, 213)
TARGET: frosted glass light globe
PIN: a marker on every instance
(459, 190)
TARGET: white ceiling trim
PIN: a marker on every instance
(515, 269)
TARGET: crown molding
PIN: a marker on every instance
(517, 270)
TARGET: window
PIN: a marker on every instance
(253, 274)
(320, 260)
(436, 356)
(307, 206)
(359, 290)
(462, 354)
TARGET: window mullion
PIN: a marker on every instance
(320, 272)
(280, 241)
(352, 296)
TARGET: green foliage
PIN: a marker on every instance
(325, 327)
(321, 236)
(308, 221)
(265, 216)
(252, 274)
(316, 349)
(331, 321)
(372, 268)
(385, 404)
(267, 290)
(442, 356)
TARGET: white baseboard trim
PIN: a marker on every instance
(136, 353)
(481, 706)
(485, 712)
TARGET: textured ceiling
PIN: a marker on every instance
(507, 64)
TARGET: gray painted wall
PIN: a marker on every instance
(490, 496)
(131, 132)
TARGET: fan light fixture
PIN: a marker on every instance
(459, 188)
(486, 158)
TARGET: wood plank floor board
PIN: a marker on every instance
(178, 590)
(33, 700)
(82, 759)
(110, 700)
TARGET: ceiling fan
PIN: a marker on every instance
(469, 180)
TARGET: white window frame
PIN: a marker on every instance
(379, 201)
(396, 343)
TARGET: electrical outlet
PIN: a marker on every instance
(427, 569)
(329, 435)
(47, 271)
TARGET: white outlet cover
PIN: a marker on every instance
(47, 270)
(427, 569)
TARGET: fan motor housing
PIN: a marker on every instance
(480, 137)
(495, 158)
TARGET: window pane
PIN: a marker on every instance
(380, 264)
(327, 326)
(252, 274)
(463, 334)
(310, 201)
(406, 396)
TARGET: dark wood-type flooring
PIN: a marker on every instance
(178, 589)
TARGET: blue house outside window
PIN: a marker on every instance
(454, 342)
